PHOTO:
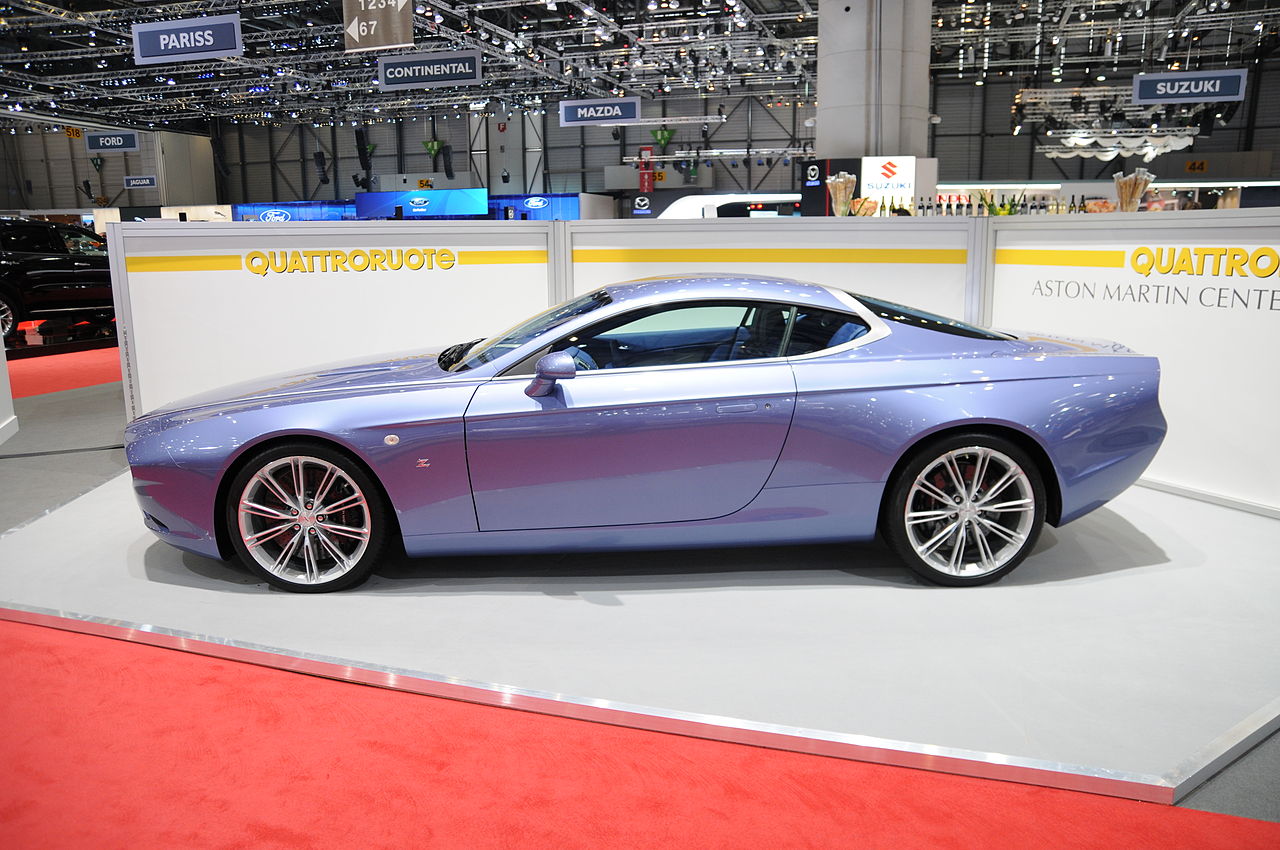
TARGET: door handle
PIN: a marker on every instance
(741, 407)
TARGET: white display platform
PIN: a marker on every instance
(1135, 653)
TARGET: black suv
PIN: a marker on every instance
(50, 270)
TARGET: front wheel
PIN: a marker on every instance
(306, 518)
(8, 318)
(966, 510)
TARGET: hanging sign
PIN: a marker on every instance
(646, 169)
(429, 70)
(377, 24)
(117, 140)
(144, 182)
(187, 40)
(614, 110)
(1190, 86)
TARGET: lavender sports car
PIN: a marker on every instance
(715, 410)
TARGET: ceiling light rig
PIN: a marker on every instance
(80, 63)
(1103, 123)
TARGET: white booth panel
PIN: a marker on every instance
(1197, 289)
(205, 305)
(8, 422)
(923, 263)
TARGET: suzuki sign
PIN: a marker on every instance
(1190, 86)
(885, 177)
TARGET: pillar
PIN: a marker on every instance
(873, 78)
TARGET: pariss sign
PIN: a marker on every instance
(187, 40)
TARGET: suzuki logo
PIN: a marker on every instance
(888, 169)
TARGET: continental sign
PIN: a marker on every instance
(358, 260)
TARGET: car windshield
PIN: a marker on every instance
(478, 354)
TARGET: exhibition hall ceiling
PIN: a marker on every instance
(74, 61)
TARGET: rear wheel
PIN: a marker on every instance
(306, 518)
(966, 510)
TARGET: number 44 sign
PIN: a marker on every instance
(377, 24)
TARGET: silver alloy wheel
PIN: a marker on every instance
(304, 520)
(7, 319)
(970, 511)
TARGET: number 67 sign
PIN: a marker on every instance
(377, 24)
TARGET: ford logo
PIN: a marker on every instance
(536, 203)
(275, 215)
(419, 202)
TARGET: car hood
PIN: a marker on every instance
(393, 370)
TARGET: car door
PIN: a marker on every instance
(692, 433)
(44, 273)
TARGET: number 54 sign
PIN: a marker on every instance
(377, 24)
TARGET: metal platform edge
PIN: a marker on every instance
(940, 759)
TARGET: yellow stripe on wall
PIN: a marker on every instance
(498, 258)
(1029, 257)
(957, 256)
(205, 263)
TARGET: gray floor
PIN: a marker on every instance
(728, 616)
(52, 429)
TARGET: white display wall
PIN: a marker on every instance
(1197, 289)
(923, 262)
(8, 422)
(205, 305)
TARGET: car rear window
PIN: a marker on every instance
(901, 314)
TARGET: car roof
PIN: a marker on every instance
(723, 285)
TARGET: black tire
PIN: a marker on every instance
(306, 518)
(10, 316)
(980, 537)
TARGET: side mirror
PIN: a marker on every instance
(551, 368)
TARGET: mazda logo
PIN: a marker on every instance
(641, 203)
(812, 172)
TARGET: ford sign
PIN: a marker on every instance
(419, 202)
(275, 215)
(536, 203)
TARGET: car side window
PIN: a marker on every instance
(815, 330)
(674, 335)
(30, 239)
(82, 242)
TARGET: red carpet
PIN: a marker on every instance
(106, 744)
(38, 375)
